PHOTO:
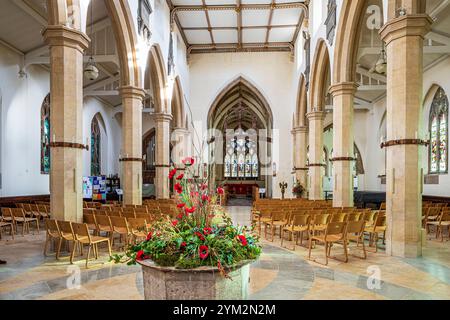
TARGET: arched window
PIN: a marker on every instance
(241, 156)
(95, 147)
(438, 126)
(149, 154)
(45, 135)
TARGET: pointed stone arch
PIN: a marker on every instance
(319, 76)
(156, 79)
(302, 103)
(178, 110)
(68, 13)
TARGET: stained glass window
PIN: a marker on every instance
(95, 147)
(241, 156)
(439, 133)
(45, 135)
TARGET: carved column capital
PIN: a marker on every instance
(343, 88)
(409, 25)
(132, 92)
(59, 35)
(300, 129)
(315, 115)
(162, 117)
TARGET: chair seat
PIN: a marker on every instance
(139, 233)
(97, 239)
(295, 228)
(278, 223)
(104, 228)
(265, 220)
(53, 234)
(319, 227)
(122, 230)
(329, 238)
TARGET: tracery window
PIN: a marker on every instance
(45, 135)
(438, 126)
(241, 156)
(95, 147)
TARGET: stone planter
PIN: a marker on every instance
(204, 283)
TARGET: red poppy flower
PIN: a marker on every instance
(243, 240)
(189, 210)
(140, 255)
(204, 186)
(180, 216)
(203, 251)
(178, 188)
(207, 230)
(181, 205)
(172, 173)
(174, 223)
(149, 236)
(200, 236)
(205, 197)
(183, 245)
(220, 190)
(180, 176)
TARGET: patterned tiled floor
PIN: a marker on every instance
(279, 273)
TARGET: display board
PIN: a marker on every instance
(94, 188)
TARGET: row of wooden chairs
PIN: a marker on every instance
(131, 228)
(35, 210)
(16, 217)
(76, 233)
(439, 218)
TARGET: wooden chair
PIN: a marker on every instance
(7, 215)
(43, 211)
(444, 222)
(138, 228)
(115, 213)
(52, 233)
(334, 233)
(89, 219)
(103, 224)
(319, 223)
(432, 214)
(354, 231)
(278, 219)
(84, 237)
(120, 226)
(383, 206)
(355, 216)
(66, 233)
(19, 217)
(298, 224)
(6, 224)
(378, 227)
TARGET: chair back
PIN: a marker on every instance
(338, 217)
(81, 230)
(381, 221)
(119, 222)
(129, 214)
(355, 216)
(370, 217)
(42, 208)
(18, 212)
(89, 218)
(6, 212)
(65, 227)
(445, 216)
(136, 224)
(115, 213)
(321, 219)
(52, 226)
(103, 221)
(335, 228)
(300, 220)
(355, 226)
(278, 216)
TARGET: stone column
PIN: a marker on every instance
(316, 165)
(301, 143)
(343, 142)
(180, 139)
(162, 165)
(66, 93)
(404, 42)
(132, 144)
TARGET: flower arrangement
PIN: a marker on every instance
(200, 235)
(298, 189)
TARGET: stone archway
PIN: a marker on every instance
(300, 134)
(156, 80)
(320, 78)
(240, 109)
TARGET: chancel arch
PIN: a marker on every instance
(240, 124)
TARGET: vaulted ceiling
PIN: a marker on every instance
(238, 25)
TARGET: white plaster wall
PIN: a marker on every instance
(271, 73)
(20, 127)
(110, 137)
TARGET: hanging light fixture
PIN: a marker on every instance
(381, 64)
(91, 70)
